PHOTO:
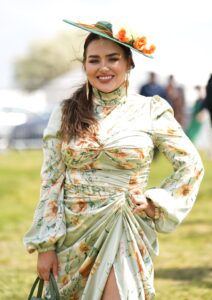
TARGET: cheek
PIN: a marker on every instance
(121, 69)
(89, 70)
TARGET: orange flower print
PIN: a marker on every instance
(75, 220)
(84, 247)
(75, 297)
(79, 206)
(142, 249)
(93, 136)
(122, 36)
(126, 166)
(178, 150)
(64, 280)
(52, 209)
(139, 262)
(106, 110)
(184, 190)
(141, 233)
(171, 131)
(139, 43)
(95, 266)
(198, 173)
(118, 154)
(140, 153)
(71, 152)
(86, 267)
(133, 179)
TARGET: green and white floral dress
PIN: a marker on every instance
(85, 211)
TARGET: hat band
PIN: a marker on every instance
(94, 27)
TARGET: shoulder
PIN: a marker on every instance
(54, 122)
(56, 113)
(159, 106)
(155, 106)
(138, 100)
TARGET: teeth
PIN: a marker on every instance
(105, 77)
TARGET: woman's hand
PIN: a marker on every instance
(47, 261)
(144, 205)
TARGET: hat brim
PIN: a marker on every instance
(104, 35)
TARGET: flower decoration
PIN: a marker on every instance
(123, 36)
(137, 42)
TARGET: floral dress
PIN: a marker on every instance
(85, 212)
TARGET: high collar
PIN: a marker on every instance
(112, 98)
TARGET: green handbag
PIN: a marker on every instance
(53, 289)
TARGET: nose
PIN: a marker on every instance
(104, 67)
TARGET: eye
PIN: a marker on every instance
(114, 59)
(93, 61)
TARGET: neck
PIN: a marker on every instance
(112, 97)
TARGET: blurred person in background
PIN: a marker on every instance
(175, 96)
(204, 138)
(96, 224)
(197, 115)
(152, 87)
(208, 98)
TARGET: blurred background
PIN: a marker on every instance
(40, 66)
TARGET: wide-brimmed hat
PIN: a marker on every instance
(119, 35)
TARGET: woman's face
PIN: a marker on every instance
(106, 65)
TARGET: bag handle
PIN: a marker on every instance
(53, 289)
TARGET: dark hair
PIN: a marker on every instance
(77, 111)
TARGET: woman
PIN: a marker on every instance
(95, 226)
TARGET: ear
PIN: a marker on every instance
(129, 64)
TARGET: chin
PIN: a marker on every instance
(107, 89)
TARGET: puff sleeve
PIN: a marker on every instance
(48, 227)
(177, 193)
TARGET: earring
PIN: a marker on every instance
(127, 82)
(87, 88)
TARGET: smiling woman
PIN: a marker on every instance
(106, 65)
(95, 226)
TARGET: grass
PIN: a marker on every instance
(183, 271)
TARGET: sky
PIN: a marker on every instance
(181, 30)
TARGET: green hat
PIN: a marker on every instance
(122, 36)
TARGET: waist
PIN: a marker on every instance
(117, 180)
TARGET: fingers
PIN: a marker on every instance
(47, 262)
(140, 202)
(143, 205)
(55, 269)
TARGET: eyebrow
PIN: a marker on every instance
(108, 55)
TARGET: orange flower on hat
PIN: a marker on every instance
(122, 36)
(139, 43)
(149, 50)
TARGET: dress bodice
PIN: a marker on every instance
(121, 141)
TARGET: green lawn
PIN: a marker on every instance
(183, 271)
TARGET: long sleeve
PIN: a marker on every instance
(177, 193)
(48, 227)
